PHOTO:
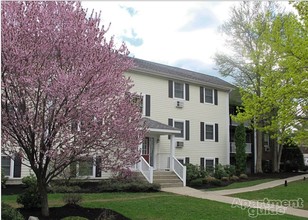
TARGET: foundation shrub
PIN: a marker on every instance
(9, 213)
(30, 198)
(234, 178)
(208, 179)
(220, 171)
(196, 182)
(243, 176)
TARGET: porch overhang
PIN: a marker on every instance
(159, 128)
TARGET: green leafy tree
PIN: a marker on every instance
(274, 69)
(248, 60)
(240, 144)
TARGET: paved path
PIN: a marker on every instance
(220, 196)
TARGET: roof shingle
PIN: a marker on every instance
(178, 73)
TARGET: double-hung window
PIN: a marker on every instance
(209, 132)
(6, 165)
(183, 126)
(208, 96)
(84, 167)
(144, 103)
(209, 165)
(180, 125)
(179, 90)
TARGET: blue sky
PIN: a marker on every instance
(177, 33)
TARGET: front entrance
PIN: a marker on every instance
(148, 150)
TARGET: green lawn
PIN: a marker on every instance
(294, 191)
(158, 206)
(241, 184)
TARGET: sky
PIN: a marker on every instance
(176, 33)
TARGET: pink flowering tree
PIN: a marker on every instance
(64, 95)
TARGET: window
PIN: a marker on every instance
(83, 167)
(183, 125)
(6, 165)
(138, 100)
(208, 95)
(181, 160)
(179, 90)
(209, 132)
(179, 125)
(209, 165)
(86, 167)
(144, 103)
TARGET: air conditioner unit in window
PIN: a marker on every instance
(266, 148)
(179, 144)
(179, 104)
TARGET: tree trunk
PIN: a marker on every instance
(275, 157)
(280, 146)
(259, 152)
(44, 197)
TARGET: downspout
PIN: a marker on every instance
(228, 130)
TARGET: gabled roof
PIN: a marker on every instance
(171, 72)
(159, 127)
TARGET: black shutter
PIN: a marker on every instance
(147, 105)
(170, 123)
(201, 163)
(187, 130)
(201, 94)
(98, 171)
(187, 92)
(17, 166)
(216, 132)
(215, 97)
(201, 131)
(186, 160)
(170, 89)
(216, 161)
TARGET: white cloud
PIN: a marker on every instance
(157, 28)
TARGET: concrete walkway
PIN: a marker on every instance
(220, 196)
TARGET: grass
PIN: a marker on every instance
(294, 191)
(158, 206)
(241, 184)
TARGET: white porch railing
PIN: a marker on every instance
(233, 148)
(146, 169)
(179, 170)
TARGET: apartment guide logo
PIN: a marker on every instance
(266, 206)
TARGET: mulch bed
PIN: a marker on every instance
(57, 213)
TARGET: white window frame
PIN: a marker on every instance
(210, 103)
(184, 92)
(209, 158)
(143, 103)
(93, 169)
(142, 96)
(184, 128)
(212, 124)
(11, 166)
